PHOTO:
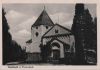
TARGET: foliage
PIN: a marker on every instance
(45, 51)
(11, 50)
(84, 31)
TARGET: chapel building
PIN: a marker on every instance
(49, 41)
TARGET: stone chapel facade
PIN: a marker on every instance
(44, 31)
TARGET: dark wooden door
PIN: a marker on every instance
(56, 54)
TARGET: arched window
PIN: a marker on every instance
(66, 47)
(36, 27)
(56, 44)
(36, 34)
(46, 27)
(56, 31)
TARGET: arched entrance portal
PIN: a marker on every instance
(55, 51)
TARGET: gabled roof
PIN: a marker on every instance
(62, 31)
(43, 19)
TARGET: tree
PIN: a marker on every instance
(6, 39)
(45, 51)
(11, 49)
(82, 29)
(94, 30)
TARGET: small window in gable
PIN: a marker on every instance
(36, 27)
(36, 34)
(56, 31)
(46, 27)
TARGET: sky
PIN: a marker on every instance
(21, 17)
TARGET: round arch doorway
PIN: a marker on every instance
(55, 52)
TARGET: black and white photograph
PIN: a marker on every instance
(49, 34)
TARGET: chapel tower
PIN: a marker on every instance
(38, 29)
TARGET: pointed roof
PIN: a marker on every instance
(43, 19)
(61, 31)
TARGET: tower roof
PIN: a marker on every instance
(43, 19)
